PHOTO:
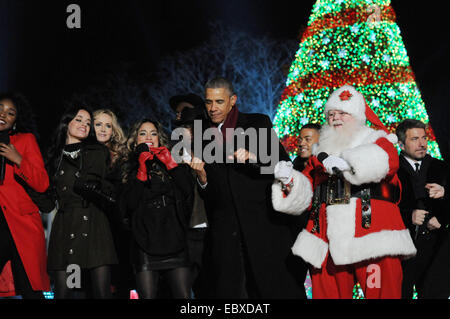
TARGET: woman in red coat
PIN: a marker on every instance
(22, 240)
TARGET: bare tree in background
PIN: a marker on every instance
(253, 64)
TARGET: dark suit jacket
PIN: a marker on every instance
(432, 171)
(242, 220)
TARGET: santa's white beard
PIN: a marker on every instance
(333, 141)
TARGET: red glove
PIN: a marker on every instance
(142, 170)
(163, 154)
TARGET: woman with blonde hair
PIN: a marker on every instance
(109, 132)
(157, 199)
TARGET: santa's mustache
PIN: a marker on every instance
(337, 122)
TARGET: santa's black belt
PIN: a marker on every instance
(337, 191)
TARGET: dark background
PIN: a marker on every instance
(40, 56)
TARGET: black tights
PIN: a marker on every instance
(177, 278)
(100, 280)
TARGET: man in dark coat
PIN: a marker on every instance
(248, 243)
(424, 208)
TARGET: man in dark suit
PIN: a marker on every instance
(248, 242)
(423, 206)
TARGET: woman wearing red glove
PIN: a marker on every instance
(157, 198)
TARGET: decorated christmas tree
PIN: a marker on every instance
(353, 42)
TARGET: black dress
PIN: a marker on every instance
(80, 232)
(159, 212)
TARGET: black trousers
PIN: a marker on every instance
(8, 252)
(415, 269)
(437, 280)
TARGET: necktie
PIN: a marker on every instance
(417, 167)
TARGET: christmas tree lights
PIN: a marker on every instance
(353, 42)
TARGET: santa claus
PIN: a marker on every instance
(350, 187)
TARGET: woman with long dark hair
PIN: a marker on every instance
(80, 233)
(22, 237)
(157, 198)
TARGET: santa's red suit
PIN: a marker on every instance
(338, 243)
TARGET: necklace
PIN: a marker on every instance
(73, 154)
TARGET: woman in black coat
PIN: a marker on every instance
(157, 200)
(109, 132)
(80, 233)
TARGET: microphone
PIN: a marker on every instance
(4, 138)
(322, 156)
(421, 205)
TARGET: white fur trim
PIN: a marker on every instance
(298, 199)
(311, 248)
(346, 249)
(392, 138)
(355, 106)
(369, 162)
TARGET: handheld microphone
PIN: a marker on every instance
(322, 156)
(4, 138)
(421, 205)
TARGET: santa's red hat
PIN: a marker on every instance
(349, 100)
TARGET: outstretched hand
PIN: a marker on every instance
(199, 168)
(435, 190)
(242, 155)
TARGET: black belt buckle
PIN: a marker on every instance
(162, 201)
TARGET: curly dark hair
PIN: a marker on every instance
(26, 118)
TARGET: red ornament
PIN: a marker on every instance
(345, 96)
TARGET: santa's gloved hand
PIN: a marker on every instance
(163, 154)
(283, 171)
(144, 155)
(333, 161)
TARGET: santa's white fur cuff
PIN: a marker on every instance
(298, 199)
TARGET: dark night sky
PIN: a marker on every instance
(43, 58)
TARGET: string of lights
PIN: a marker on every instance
(353, 42)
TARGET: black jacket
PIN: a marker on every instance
(242, 221)
(81, 231)
(414, 194)
(159, 209)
